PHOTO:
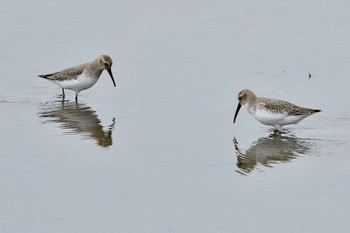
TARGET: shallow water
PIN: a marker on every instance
(159, 152)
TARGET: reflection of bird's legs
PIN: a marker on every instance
(277, 131)
(63, 95)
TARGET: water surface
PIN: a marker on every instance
(159, 152)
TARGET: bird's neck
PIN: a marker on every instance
(95, 72)
(251, 101)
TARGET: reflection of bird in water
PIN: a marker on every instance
(79, 119)
(269, 150)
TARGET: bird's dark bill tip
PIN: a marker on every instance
(236, 114)
(110, 74)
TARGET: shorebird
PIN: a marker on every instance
(81, 77)
(274, 112)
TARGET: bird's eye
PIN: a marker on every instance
(240, 98)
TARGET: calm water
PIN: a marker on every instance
(159, 152)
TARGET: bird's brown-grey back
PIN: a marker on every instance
(66, 74)
(284, 107)
(273, 105)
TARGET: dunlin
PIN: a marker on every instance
(274, 112)
(81, 77)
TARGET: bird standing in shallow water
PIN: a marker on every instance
(81, 77)
(274, 112)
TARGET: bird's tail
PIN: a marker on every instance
(42, 75)
(46, 76)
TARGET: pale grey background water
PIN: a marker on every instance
(159, 153)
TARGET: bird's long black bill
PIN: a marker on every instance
(237, 110)
(110, 74)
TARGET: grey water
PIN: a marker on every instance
(159, 153)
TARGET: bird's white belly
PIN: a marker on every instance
(271, 118)
(82, 82)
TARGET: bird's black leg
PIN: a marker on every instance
(76, 97)
(63, 95)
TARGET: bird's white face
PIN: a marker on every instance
(105, 62)
(242, 100)
(242, 97)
